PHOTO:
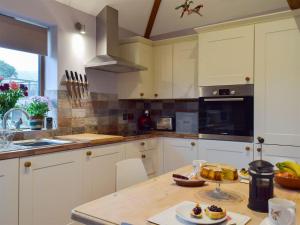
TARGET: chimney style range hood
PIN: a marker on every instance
(107, 41)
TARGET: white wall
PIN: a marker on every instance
(68, 49)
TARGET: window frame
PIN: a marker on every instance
(41, 78)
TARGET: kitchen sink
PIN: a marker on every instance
(41, 142)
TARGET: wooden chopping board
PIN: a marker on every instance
(92, 138)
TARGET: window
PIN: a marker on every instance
(23, 68)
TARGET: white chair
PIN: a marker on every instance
(130, 172)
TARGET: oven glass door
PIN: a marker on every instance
(226, 116)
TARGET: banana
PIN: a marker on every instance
(285, 169)
(290, 166)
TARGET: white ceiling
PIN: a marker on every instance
(134, 14)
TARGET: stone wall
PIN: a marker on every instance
(104, 113)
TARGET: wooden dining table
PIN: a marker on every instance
(134, 205)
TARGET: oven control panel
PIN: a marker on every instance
(227, 90)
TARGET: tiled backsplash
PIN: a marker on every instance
(104, 113)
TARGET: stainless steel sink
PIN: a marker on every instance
(41, 142)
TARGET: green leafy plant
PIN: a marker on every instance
(37, 106)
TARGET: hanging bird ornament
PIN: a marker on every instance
(186, 8)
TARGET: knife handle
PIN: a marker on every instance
(76, 76)
(72, 76)
(67, 75)
(180, 177)
(80, 76)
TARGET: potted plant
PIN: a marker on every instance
(10, 93)
(37, 107)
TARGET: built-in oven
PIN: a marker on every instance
(226, 112)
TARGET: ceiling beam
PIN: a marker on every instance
(294, 4)
(152, 18)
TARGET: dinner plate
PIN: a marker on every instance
(266, 221)
(184, 212)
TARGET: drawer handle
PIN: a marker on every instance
(193, 144)
(143, 156)
(27, 164)
(89, 153)
(155, 95)
(142, 143)
(247, 79)
(141, 94)
(247, 148)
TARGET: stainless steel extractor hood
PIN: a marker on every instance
(107, 41)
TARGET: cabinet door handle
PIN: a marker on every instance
(141, 94)
(142, 143)
(247, 79)
(27, 164)
(193, 144)
(258, 149)
(247, 148)
(89, 153)
(155, 95)
(143, 156)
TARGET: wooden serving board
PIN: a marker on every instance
(92, 138)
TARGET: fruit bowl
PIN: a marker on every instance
(287, 181)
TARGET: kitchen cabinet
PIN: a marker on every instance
(226, 56)
(9, 191)
(185, 69)
(277, 79)
(238, 154)
(99, 170)
(150, 151)
(137, 85)
(50, 187)
(277, 153)
(163, 71)
(178, 153)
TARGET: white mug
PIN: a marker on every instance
(282, 212)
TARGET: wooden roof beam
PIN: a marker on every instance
(294, 4)
(152, 18)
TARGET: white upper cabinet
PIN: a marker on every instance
(9, 191)
(50, 187)
(277, 82)
(163, 72)
(226, 56)
(185, 60)
(136, 85)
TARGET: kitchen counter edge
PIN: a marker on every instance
(85, 144)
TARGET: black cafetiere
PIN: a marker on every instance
(261, 186)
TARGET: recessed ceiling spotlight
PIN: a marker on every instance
(80, 27)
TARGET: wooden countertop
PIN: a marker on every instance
(137, 203)
(87, 140)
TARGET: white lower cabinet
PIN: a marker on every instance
(149, 150)
(277, 153)
(99, 170)
(9, 171)
(50, 187)
(178, 152)
(238, 154)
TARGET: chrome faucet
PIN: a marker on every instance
(5, 117)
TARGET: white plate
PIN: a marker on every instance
(243, 176)
(266, 221)
(184, 212)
